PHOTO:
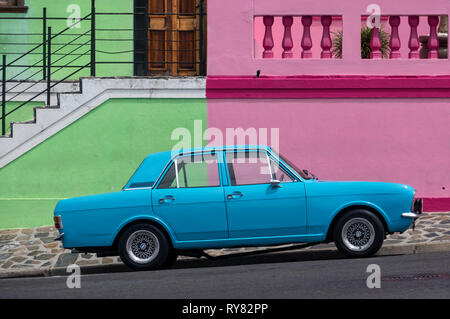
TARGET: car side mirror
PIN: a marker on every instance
(275, 183)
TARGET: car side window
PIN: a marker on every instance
(189, 171)
(254, 167)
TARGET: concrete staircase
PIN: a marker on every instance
(72, 100)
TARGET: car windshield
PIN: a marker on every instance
(302, 172)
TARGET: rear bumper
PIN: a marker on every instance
(60, 236)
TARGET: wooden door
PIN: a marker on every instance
(175, 43)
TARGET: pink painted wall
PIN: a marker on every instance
(402, 139)
(231, 34)
(390, 140)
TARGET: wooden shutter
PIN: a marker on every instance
(174, 37)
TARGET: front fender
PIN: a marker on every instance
(322, 212)
(348, 205)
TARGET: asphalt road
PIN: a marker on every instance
(402, 276)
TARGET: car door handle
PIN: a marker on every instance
(167, 199)
(235, 195)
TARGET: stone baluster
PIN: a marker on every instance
(287, 43)
(326, 42)
(395, 42)
(375, 44)
(414, 44)
(433, 41)
(306, 39)
(268, 38)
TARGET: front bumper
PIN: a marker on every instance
(410, 215)
(417, 209)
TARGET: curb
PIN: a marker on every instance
(294, 255)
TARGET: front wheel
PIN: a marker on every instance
(143, 247)
(358, 233)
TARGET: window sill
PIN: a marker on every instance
(13, 9)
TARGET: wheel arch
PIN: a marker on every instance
(144, 220)
(381, 216)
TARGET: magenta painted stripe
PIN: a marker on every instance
(350, 86)
(438, 204)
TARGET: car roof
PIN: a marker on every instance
(170, 154)
(150, 169)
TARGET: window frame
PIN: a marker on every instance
(269, 157)
(18, 7)
(174, 162)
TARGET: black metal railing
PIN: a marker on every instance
(47, 65)
(83, 52)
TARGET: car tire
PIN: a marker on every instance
(171, 259)
(358, 233)
(143, 247)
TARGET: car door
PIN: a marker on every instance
(255, 207)
(190, 198)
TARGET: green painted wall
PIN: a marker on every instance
(107, 41)
(96, 154)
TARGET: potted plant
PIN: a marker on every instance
(366, 36)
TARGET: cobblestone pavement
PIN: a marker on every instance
(35, 248)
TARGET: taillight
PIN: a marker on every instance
(58, 222)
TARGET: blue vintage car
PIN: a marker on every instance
(182, 201)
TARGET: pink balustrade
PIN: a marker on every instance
(287, 37)
(246, 36)
(293, 37)
(309, 37)
(413, 43)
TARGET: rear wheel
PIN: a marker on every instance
(143, 247)
(358, 233)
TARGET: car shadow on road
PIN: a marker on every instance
(258, 258)
(266, 256)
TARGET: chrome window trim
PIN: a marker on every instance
(176, 172)
(224, 149)
(270, 166)
(133, 188)
(285, 166)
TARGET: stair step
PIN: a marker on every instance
(20, 131)
(41, 109)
